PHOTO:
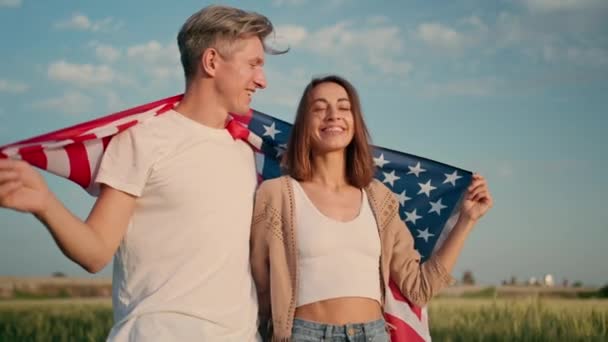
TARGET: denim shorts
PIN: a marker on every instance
(306, 331)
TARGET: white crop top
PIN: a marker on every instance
(335, 259)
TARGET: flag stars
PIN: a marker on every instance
(412, 216)
(424, 234)
(390, 178)
(416, 170)
(426, 188)
(281, 148)
(271, 131)
(403, 198)
(380, 161)
(436, 207)
(451, 178)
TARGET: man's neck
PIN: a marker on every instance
(200, 103)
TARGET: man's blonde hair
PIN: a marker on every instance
(219, 27)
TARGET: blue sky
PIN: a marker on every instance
(510, 89)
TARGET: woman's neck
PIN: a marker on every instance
(329, 171)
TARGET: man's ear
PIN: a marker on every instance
(209, 61)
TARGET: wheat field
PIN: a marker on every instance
(451, 319)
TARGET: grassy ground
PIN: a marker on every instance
(452, 319)
(531, 319)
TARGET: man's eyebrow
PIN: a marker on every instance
(257, 61)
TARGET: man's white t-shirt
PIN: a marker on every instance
(182, 270)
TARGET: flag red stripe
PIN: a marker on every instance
(402, 332)
(84, 137)
(166, 108)
(30, 149)
(70, 132)
(36, 158)
(80, 170)
(105, 141)
(127, 125)
(398, 296)
(243, 118)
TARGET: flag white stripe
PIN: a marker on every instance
(259, 162)
(447, 228)
(110, 128)
(404, 312)
(57, 161)
(94, 150)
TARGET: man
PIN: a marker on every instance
(176, 198)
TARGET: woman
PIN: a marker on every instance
(326, 238)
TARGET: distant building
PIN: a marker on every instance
(532, 281)
(549, 281)
(6, 290)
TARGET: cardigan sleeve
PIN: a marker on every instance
(259, 253)
(419, 282)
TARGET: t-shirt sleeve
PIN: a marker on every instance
(127, 162)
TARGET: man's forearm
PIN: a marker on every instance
(76, 239)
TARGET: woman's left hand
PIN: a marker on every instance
(477, 200)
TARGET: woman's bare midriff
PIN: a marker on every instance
(340, 311)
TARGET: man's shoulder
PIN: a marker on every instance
(149, 127)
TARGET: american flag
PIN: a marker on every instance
(429, 192)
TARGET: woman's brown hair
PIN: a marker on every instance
(298, 158)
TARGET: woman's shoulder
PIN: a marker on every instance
(378, 188)
(382, 198)
(274, 186)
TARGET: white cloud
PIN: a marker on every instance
(164, 72)
(510, 29)
(388, 66)
(587, 56)
(84, 23)
(82, 75)
(332, 4)
(377, 20)
(476, 22)
(279, 3)
(379, 45)
(291, 34)
(112, 100)
(157, 60)
(13, 87)
(285, 88)
(582, 56)
(440, 36)
(559, 5)
(465, 87)
(328, 4)
(154, 52)
(3, 128)
(10, 3)
(71, 102)
(106, 53)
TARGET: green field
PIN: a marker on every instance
(459, 319)
(452, 319)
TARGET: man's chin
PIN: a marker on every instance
(242, 112)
